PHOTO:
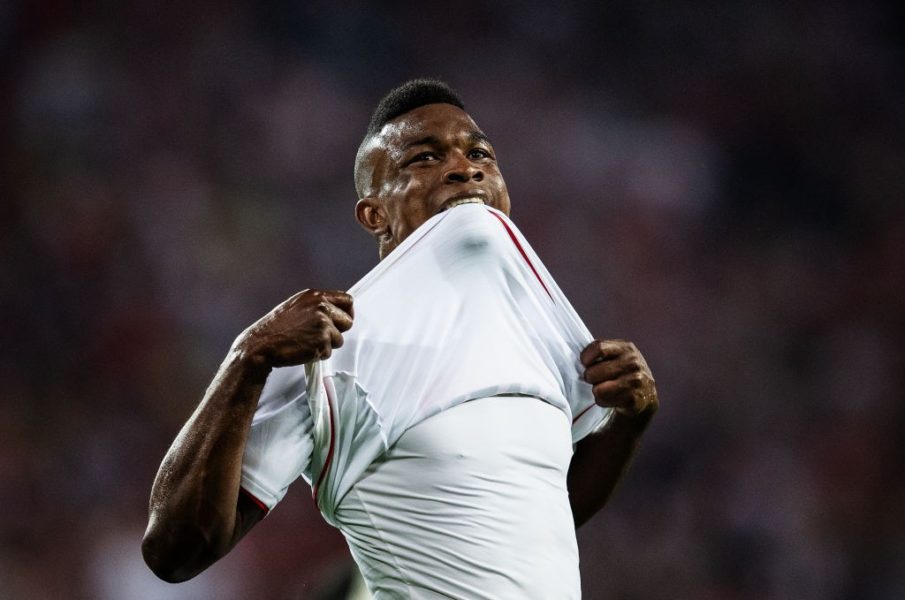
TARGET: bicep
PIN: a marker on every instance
(589, 486)
(598, 463)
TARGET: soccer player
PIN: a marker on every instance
(457, 425)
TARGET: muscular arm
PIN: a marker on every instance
(197, 513)
(599, 462)
(622, 380)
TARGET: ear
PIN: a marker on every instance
(370, 214)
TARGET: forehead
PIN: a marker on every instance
(441, 121)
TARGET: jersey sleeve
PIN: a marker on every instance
(280, 442)
(588, 419)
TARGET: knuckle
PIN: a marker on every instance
(599, 392)
(602, 389)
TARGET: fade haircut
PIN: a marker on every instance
(407, 97)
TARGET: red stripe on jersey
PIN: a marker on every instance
(326, 466)
(522, 252)
(255, 499)
(581, 414)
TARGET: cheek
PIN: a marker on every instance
(403, 187)
(409, 207)
(502, 194)
(415, 193)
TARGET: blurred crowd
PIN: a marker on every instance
(720, 182)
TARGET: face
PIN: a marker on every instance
(421, 163)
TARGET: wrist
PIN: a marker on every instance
(635, 422)
(249, 359)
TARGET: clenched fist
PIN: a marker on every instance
(620, 377)
(306, 327)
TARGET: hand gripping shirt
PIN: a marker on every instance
(463, 309)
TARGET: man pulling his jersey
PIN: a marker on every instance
(439, 437)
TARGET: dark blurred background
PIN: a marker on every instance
(721, 182)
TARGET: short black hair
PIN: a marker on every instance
(409, 96)
(400, 100)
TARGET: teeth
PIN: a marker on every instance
(460, 201)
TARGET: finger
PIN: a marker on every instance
(339, 299)
(611, 369)
(632, 391)
(336, 338)
(600, 350)
(329, 339)
(340, 318)
(612, 394)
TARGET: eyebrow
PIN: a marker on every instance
(474, 136)
(478, 136)
(425, 141)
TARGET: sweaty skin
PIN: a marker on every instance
(419, 163)
(413, 168)
(197, 513)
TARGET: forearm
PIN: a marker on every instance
(599, 462)
(197, 514)
(193, 507)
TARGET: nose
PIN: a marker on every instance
(462, 170)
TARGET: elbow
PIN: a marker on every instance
(175, 560)
(156, 558)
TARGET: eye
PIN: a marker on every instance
(423, 157)
(478, 154)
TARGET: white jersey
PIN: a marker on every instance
(470, 503)
(462, 309)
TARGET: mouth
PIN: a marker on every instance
(462, 200)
